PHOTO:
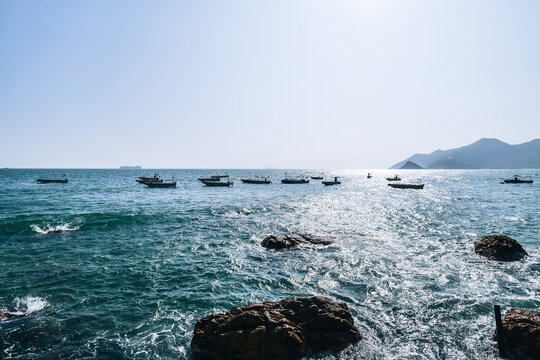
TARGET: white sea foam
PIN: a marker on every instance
(49, 229)
(26, 306)
(30, 304)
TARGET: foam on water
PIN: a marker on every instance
(57, 229)
(27, 305)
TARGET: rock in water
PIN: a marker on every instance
(286, 241)
(499, 247)
(522, 333)
(286, 329)
(6, 315)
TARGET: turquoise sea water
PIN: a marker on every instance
(142, 265)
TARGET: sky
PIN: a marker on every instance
(256, 84)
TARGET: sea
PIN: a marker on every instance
(135, 267)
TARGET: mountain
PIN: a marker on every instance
(411, 165)
(483, 154)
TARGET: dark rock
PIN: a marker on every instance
(286, 329)
(285, 241)
(499, 247)
(521, 329)
(4, 315)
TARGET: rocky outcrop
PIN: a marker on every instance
(499, 247)
(286, 241)
(521, 329)
(286, 329)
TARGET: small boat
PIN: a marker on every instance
(212, 178)
(517, 179)
(316, 177)
(335, 182)
(160, 183)
(395, 178)
(407, 186)
(145, 179)
(262, 180)
(369, 176)
(47, 181)
(217, 183)
(294, 181)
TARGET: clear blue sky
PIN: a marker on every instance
(252, 84)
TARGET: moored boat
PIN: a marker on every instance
(212, 178)
(369, 176)
(64, 180)
(162, 184)
(47, 181)
(316, 177)
(395, 178)
(294, 181)
(146, 179)
(407, 186)
(217, 183)
(262, 180)
(335, 182)
(518, 179)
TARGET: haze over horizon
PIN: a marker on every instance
(304, 84)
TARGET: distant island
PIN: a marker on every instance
(483, 154)
(130, 167)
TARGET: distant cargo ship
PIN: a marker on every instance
(130, 167)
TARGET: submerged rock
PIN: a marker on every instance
(499, 247)
(286, 241)
(286, 329)
(522, 333)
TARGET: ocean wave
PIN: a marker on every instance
(58, 229)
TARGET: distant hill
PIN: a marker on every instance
(411, 165)
(483, 154)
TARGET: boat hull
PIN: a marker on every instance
(48, 181)
(328, 183)
(161, 184)
(407, 186)
(393, 179)
(140, 181)
(514, 181)
(317, 177)
(251, 181)
(217, 183)
(293, 181)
